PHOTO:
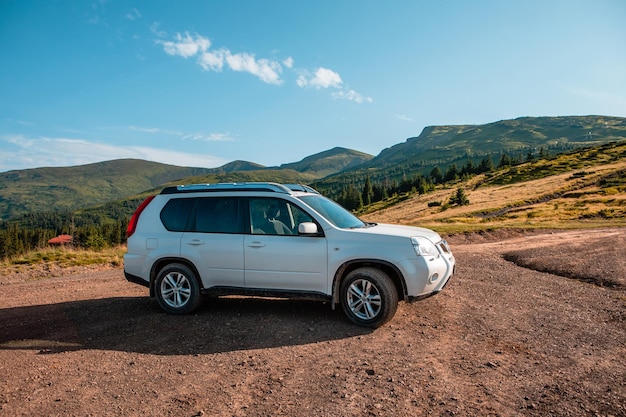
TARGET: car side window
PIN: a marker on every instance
(273, 216)
(176, 213)
(218, 215)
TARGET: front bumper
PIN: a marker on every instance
(412, 299)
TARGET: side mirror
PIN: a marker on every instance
(307, 228)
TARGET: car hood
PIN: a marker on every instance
(401, 231)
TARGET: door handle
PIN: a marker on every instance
(195, 242)
(256, 244)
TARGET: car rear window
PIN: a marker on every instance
(176, 212)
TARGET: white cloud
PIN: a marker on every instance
(133, 14)
(144, 129)
(322, 78)
(156, 130)
(168, 156)
(268, 71)
(404, 117)
(155, 29)
(212, 60)
(43, 151)
(352, 96)
(196, 136)
(302, 80)
(186, 45)
(325, 78)
(211, 137)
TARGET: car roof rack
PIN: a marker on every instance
(239, 186)
(301, 187)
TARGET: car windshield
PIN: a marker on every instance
(333, 212)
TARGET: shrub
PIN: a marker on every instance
(459, 198)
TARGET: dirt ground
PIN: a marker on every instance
(530, 325)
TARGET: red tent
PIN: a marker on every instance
(60, 240)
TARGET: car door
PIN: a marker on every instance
(214, 242)
(276, 257)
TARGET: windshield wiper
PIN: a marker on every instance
(365, 225)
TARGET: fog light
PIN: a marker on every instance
(434, 277)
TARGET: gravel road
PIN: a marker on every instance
(531, 325)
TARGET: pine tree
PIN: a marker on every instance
(486, 164)
(452, 173)
(436, 176)
(505, 161)
(368, 192)
(459, 198)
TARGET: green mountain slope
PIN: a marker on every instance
(329, 162)
(309, 169)
(236, 166)
(70, 188)
(445, 145)
(74, 188)
(263, 175)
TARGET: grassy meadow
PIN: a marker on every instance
(48, 261)
(581, 189)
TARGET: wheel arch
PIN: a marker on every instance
(158, 265)
(387, 267)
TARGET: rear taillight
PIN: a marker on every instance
(132, 224)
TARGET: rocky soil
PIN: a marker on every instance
(531, 325)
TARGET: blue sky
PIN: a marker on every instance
(203, 83)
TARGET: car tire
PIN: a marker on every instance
(368, 297)
(177, 290)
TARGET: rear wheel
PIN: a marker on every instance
(368, 297)
(177, 290)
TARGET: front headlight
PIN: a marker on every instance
(424, 247)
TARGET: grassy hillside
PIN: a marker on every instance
(74, 188)
(269, 175)
(329, 162)
(69, 188)
(583, 188)
(443, 146)
(438, 144)
(307, 170)
(237, 166)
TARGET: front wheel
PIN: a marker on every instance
(368, 297)
(177, 290)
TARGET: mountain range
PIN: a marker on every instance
(78, 187)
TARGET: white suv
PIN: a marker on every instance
(274, 240)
